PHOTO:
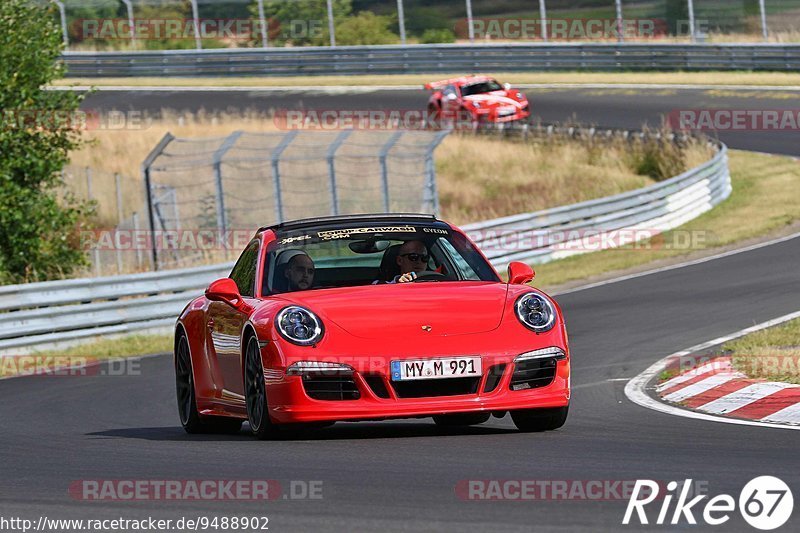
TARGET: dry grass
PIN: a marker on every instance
(647, 78)
(118, 151)
(484, 178)
(479, 177)
(772, 354)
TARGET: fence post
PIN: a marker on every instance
(222, 216)
(431, 190)
(263, 21)
(129, 7)
(401, 19)
(63, 12)
(120, 218)
(276, 171)
(543, 18)
(136, 233)
(196, 23)
(148, 186)
(764, 30)
(620, 36)
(470, 28)
(692, 29)
(331, 29)
(332, 168)
(382, 155)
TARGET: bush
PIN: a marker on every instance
(39, 238)
(365, 28)
(437, 36)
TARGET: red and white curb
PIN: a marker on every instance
(716, 392)
(717, 388)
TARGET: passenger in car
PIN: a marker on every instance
(299, 272)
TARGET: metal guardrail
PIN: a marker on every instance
(50, 312)
(555, 233)
(40, 314)
(438, 58)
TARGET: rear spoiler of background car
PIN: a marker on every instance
(473, 78)
(436, 85)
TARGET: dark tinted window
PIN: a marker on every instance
(354, 255)
(480, 88)
(244, 272)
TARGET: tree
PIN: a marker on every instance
(300, 22)
(39, 237)
(365, 28)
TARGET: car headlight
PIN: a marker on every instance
(476, 104)
(535, 312)
(300, 326)
(553, 352)
(520, 96)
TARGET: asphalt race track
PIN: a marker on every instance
(402, 475)
(622, 108)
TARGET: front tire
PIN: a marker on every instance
(461, 419)
(531, 420)
(191, 420)
(256, 393)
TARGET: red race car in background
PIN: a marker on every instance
(369, 317)
(476, 99)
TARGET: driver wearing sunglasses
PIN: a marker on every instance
(412, 258)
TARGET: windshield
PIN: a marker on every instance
(322, 258)
(480, 88)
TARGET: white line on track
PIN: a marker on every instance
(636, 389)
(329, 89)
(357, 89)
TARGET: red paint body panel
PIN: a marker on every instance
(506, 105)
(368, 327)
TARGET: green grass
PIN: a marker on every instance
(111, 348)
(97, 349)
(772, 354)
(765, 198)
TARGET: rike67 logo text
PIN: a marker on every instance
(765, 503)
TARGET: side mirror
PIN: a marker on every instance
(225, 290)
(520, 273)
(507, 86)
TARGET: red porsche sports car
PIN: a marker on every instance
(476, 99)
(369, 317)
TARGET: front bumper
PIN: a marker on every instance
(289, 401)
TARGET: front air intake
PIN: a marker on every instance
(533, 373)
(331, 388)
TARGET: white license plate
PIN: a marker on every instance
(445, 367)
(505, 111)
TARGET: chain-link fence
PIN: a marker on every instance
(204, 24)
(230, 186)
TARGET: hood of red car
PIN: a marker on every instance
(495, 99)
(406, 310)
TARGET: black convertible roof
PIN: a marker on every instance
(347, 219)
